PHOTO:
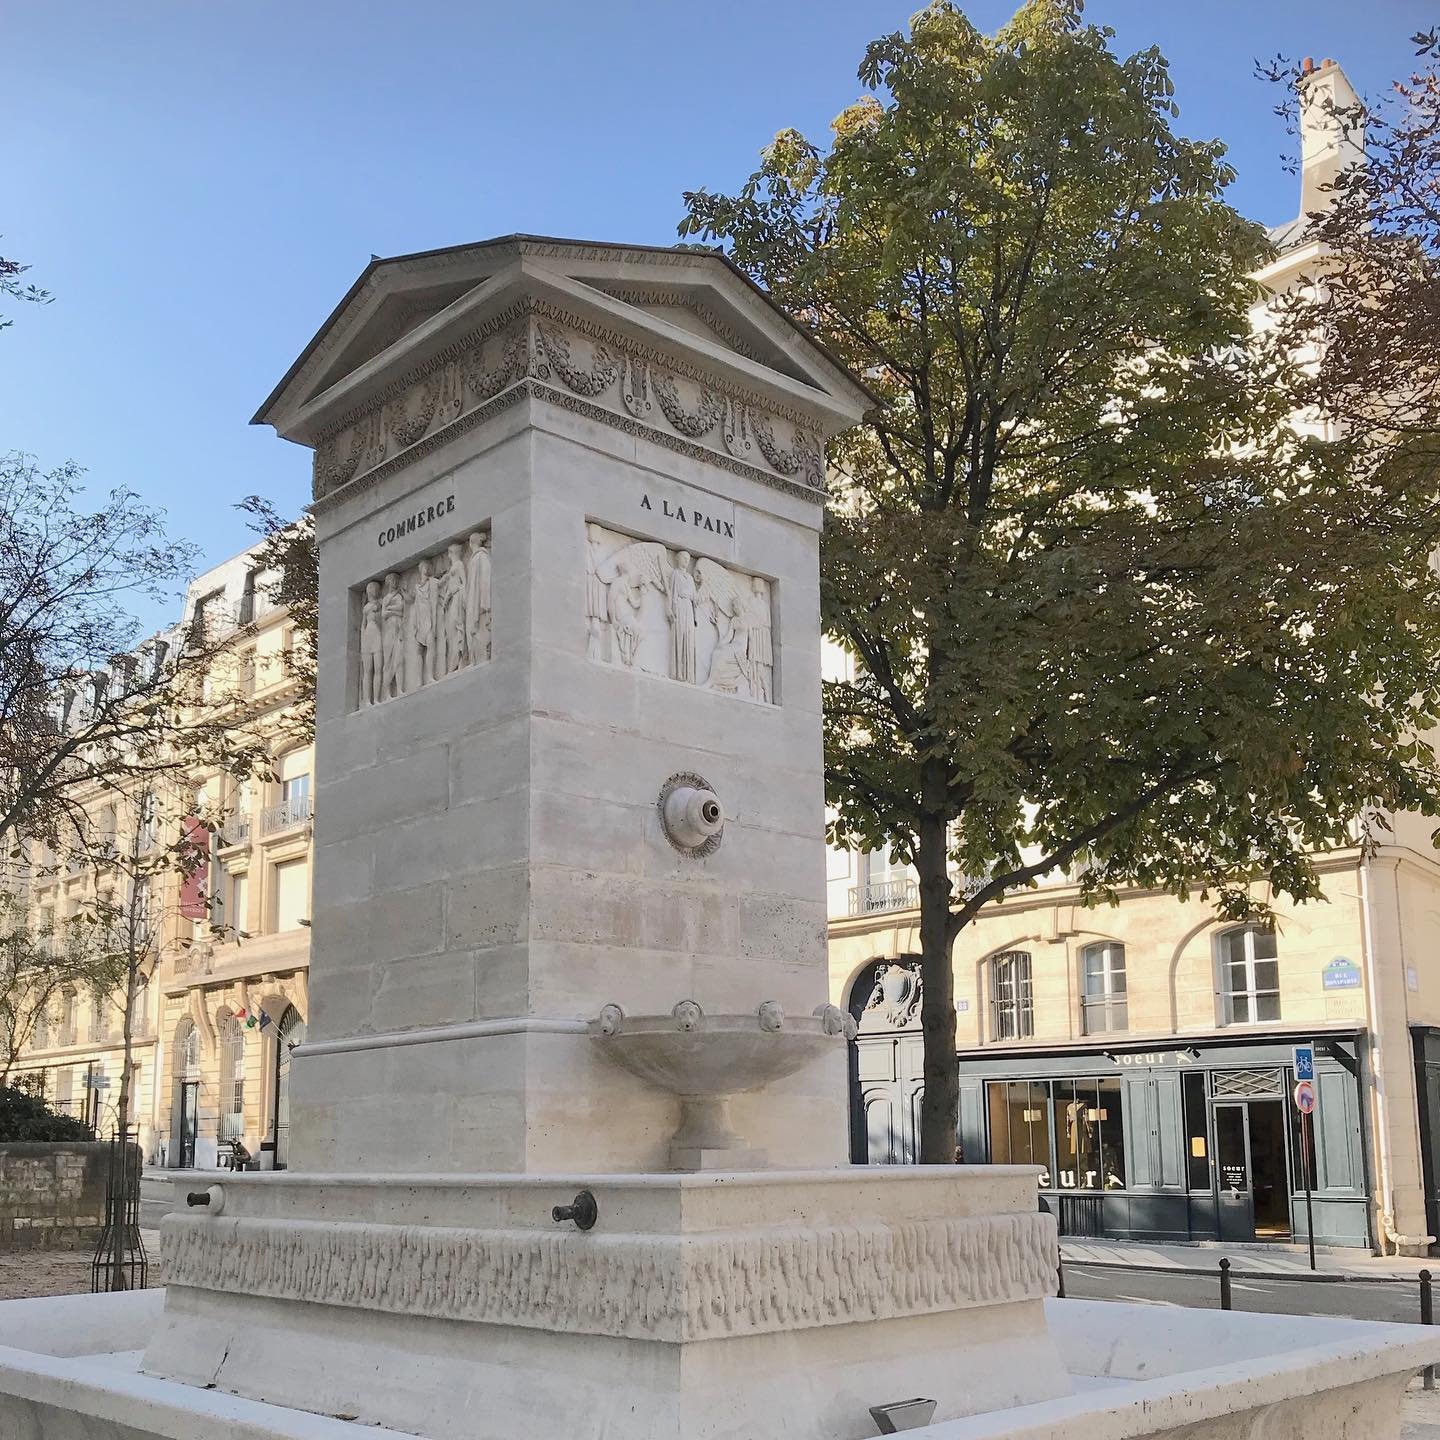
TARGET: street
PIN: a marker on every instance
(1392, 1300)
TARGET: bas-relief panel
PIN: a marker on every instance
(421, 624)
(664, 611)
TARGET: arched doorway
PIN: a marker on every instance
(886, 1063)
(289, 1033)
(187, 1093)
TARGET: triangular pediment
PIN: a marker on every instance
(404, 306)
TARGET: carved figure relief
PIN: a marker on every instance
(420, 625)
(895, 998)
(693, 620)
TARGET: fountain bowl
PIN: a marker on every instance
(705, 1059)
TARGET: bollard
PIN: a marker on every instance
(1225, 1285)
(1060, 1280)
(1427, 1317)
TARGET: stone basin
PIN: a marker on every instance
(705, 1059)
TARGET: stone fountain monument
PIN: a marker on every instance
(569, 1129)
(569, 926)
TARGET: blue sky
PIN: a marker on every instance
(198, 183)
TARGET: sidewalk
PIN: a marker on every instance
(1246, 1261)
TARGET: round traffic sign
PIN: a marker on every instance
(1305, 1097)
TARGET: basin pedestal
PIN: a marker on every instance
(773, 1303)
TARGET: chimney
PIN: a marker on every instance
(1328, 144)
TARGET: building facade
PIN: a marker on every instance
(1139, 1055)
(223, 998)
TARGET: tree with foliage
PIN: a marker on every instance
(36, 967)
(26, 1117)
(86, 701)
(1110, 614)
(12, 287)
(287, 550)
(1371, 287)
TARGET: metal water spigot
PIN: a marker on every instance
(583, 1211)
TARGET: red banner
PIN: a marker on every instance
(195, 877)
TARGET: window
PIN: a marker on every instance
(292, 894)
(100, 1015)
(1197, 1136)
(1020, 1125)
(67, 1017)
(1249, 975)
(246, 675)
(231, 1036)
(1012, 1012)
(140, 1017)
(295, 796)
(1089, 1134)
(149, 821)
(247, 598)
(237, 901)
(1102, 997)
(187, 1052)
(40, 1035)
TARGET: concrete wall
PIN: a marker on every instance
(52, 1193)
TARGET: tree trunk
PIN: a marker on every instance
(940, 1108)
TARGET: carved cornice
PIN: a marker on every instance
(674, 1288)
(580, 365)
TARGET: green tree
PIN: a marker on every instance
(26, 1117)
(1109, 613)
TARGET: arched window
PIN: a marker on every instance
(1012, 1007)
(230, 1034)
(1103, 1004)
(1249, 975)
(187, 1051)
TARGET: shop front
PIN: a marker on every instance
(1200, 1142)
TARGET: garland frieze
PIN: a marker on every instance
(621, 378)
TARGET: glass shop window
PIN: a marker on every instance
(1089, 1134)
(1020, 1124)
(1197, 1136)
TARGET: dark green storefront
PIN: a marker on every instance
(1199, 1142)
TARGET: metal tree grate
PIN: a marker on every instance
(120, 1262)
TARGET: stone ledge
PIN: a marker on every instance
(667, 1288)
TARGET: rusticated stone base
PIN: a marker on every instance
(769, 1304)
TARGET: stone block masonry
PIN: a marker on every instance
(52, 1193)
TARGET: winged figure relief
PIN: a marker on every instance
(625, 575)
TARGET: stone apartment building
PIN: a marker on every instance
(219, 1009)
(1140, 1054)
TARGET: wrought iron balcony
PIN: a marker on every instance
(286, 815)
(901, 894)
(235, 830)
